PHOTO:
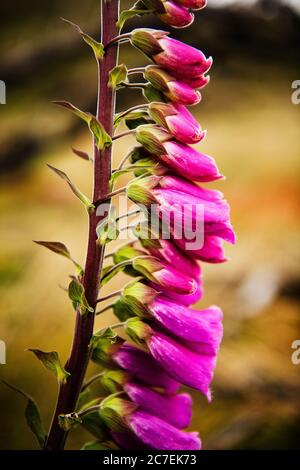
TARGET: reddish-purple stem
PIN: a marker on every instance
(79, 356)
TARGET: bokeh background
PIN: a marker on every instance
(254, 136)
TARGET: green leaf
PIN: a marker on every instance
(98, 445)
(81, 154)
(77, 295)
(128, 14)
(33, 417)
(103, 140)
(81, 114)
(69, 421)
(52, 362)
(84, 199)
(97, 47)
(117, 75)
(60, 249)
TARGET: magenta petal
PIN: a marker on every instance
(174, 256)
(199, 326)
(180, 92)
(187, 299)
(180, 184)
(144, 368)
(160, 435)
(189, 163)
(175, 409)
(175, 281)
(191, 369)
(211, 252)
(128, 441)
(176, 15)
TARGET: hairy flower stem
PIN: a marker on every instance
(79, 356)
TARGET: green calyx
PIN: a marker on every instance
(147, 40)
(114, 410)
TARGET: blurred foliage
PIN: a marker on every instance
(254, 136)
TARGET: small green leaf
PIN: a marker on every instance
(103, 140)
(128, 14)
(33, 417)
(84, 199)
(77, 295)
(60, 249)
(70, 421)
(81, 114)
(81, 154)
(97, 47)
(52, 362)
(98, 445)
(117, 75)
(56, 247)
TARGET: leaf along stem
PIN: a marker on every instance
(80, 352)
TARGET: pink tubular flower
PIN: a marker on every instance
(170, 12)
(193, 4)
(174, 409)
(176, 183)
(211, 252)
(195, 326)
(144, 368)
(178, 58)
(173, 89)
(158, 434)
(164, 275)
(187, 161)
(188, 367)
(178, 121)
(173, 255)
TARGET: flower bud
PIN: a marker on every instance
(152, 138)
(170, 12)
(178, 121)
(173, 90)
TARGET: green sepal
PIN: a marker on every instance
(153, 94)
(146, 266)
(103, 347)
(52, 362)
(97, 47)
(122, 309)
(100, 445)
(114, 380)
(94, 425)
(69, 421)
(114, 410)
(78, 298)
(109, 272)
(32, 415)
(147, 237)
(152, 138)
(139, 291)
(139, 190)
(84, 199)
(127, 252)
(138, 331)
(117, 75)
(107, 229)
(147, 40)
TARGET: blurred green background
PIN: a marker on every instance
(253, 132)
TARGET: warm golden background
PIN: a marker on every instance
(254, 135)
